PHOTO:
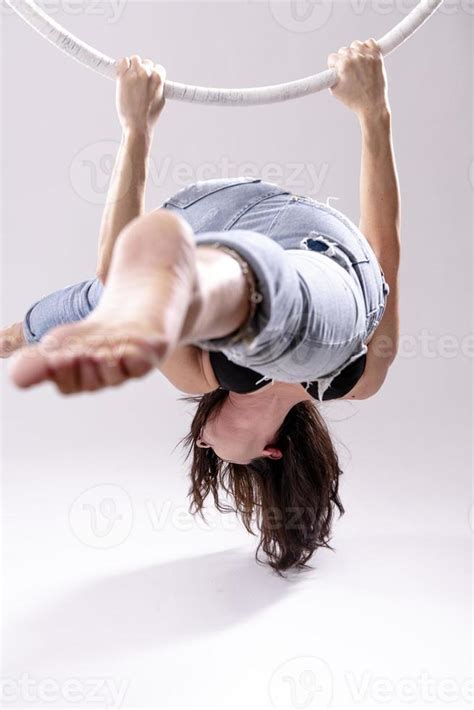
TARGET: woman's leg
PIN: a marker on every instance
(163, 290)
(67, 305)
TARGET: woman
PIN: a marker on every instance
(255, 301)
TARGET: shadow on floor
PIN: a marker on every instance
(145, 609)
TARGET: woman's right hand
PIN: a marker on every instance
(362, 82)
(139, 94)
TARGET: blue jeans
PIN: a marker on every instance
(323, 289)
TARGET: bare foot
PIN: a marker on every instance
(11, 339)
(137, 322)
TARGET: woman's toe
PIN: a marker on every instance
(28, 367)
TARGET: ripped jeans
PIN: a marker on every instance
(324, 292)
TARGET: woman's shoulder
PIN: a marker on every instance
(372, 379)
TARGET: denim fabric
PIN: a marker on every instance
(70, 304)
(323, 290)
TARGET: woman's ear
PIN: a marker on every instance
(272, 453)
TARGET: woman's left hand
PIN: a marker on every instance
(139, 94)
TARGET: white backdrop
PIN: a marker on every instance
(105, 575)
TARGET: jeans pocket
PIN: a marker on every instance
(323, 243)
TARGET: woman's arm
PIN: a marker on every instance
(126, 195)
(380, 223)
(139, 99)
(363, 88)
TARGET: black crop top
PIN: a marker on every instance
(237, 378)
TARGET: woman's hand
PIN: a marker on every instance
(362, 83)
(139, 96)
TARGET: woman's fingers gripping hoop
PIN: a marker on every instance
(122, 66)
(361, 82)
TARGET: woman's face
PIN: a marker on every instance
(238, 434)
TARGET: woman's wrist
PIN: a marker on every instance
(375, 118)
(376, 131)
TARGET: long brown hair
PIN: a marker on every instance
(292, 499)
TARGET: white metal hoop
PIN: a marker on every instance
(31, 13)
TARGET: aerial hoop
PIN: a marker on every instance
(31, 13)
